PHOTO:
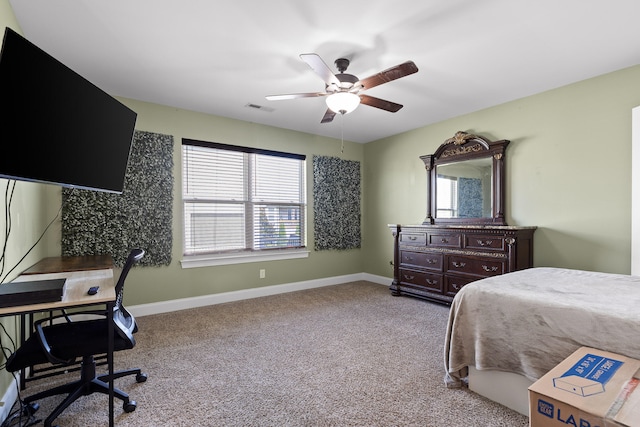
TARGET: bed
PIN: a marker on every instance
(528, 321)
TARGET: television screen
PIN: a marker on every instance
(56, 126)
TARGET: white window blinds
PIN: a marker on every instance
(241, 199)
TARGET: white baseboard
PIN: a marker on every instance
(381, 280)
(9, 398)
(204, 300)
(11, 393)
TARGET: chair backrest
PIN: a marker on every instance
(124, 321)
(134, 256)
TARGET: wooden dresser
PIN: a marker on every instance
(464, 236)
(434, 262)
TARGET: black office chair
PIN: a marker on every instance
(61, 343)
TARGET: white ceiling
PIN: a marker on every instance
(217, 56)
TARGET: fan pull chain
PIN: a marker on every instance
(342, 133)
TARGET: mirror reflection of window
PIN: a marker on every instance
(466, 189)
(447, 197)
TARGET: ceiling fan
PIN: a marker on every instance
(344, 91)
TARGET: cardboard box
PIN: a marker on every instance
(590, 388)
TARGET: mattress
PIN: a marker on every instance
(528, 321)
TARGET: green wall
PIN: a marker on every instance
(568, 173)
(33, 206)
(153, 284)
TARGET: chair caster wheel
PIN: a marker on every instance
(30, 408)
(129, 406)
(140, 378)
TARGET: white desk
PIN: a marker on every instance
(81, 274)
(75, 290)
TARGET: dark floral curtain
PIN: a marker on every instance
(98, 223)
(336, 203)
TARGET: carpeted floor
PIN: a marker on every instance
(345, 355)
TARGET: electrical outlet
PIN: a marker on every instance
(263, 273)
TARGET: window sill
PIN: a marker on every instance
(194, 261)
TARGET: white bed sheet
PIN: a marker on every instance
(528, 321)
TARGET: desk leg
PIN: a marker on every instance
(23, 338)
(110, 335)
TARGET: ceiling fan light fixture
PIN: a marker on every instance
(343, 102)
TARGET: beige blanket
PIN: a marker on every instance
(528, 321)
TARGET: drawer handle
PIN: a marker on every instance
(413, 238)
(407, 277)
(431, 261)
(409, 258)
(456, 286)
(431, 282)
(443, 240)
(459, 264)
(485, 242)
(490, 269)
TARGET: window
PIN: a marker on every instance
(239, 199)
(447, 203)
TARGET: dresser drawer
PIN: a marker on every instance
(484, 242)
(417, 239)
(482, 267)
(434, 261)
(445, 240)
(422, 280)
(453, 284)
(423, 260)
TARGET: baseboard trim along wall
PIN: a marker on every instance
(9, 399)
(11, 394)
(201, 301)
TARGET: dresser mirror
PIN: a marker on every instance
(465, 181)
(464, 189)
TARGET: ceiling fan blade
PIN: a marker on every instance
(295, 96)
(318, 65)
(393, 73)
(379, 103)
(328, 116)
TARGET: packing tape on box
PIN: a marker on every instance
(622, 397)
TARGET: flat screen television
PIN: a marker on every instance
(57, 127)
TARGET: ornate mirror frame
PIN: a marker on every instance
(462, 147)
